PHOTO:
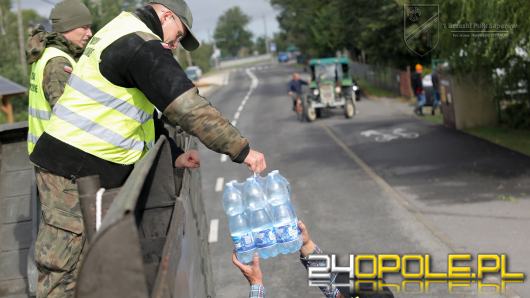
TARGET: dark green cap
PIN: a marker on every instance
(181, 9)
(68, 15)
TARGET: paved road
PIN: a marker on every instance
(383, 182)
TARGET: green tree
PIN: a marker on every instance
(260, 45)
(10, 67)
(105, 10)
(372, 30)
(230, 34)
(280, 39)
(501, 60)
(200, 57)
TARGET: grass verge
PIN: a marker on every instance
(515, 139)
(371, 90)
(436, 119)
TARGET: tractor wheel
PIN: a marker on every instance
(310, 112)
(349, 108)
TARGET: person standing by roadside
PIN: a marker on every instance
(417, 87)
(52, 55)
(436, 89)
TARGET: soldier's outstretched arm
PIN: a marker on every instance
(141, 61)
(198, 117)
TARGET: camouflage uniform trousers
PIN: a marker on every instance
(60, 241)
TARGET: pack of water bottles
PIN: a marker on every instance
(261, 217)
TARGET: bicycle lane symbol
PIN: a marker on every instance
(383, 137)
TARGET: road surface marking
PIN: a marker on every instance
(390, 190)
(224, 157)
(254, 83)
(397, 133)
(214, 231)
(219, 184)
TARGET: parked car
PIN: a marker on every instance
(193, 73)
(283, 57)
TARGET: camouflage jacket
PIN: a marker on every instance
(55, 76)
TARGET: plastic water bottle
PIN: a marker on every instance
(240, 231)
(263, 232)
(232, 199)
(285, 220)
(260, 218)
(277, 189)
(253, 195)
(278, 176)
(286, 229)
(241, 237)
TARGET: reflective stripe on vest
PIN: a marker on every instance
(108, 121)
(96, 130)
(39, 111)
(41, 114)
(108, 100)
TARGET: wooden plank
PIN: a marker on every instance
(14, 288)
(17, 183)
(15, 157)
(15, 236)
(13, 264)
(15, 209)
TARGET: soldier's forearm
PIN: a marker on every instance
(199, 118)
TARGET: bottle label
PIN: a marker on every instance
(265, 238)
(286, 233)
(243, 243)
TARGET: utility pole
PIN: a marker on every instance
(266, 34)
(23, 63)
(2, 29)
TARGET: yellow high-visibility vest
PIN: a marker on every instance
(39, 111)
(108, 121)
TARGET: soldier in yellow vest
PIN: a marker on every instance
(103, 123)
(51, 56)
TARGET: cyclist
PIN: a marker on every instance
(295, 88)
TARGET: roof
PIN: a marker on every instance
(341, 60)
(8, 88)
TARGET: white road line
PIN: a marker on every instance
(254, 83)
(224, 157)
(219, 184)
(226, 79)
(214, 231)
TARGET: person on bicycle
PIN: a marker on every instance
(295, 88)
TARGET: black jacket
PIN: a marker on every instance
(417, 83)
